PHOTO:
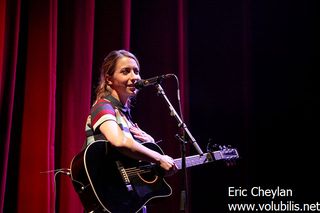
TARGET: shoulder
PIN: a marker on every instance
(102, 111)
(102, 106)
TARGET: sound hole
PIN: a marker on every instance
(148, 177)
(147, 173)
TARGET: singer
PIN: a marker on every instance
(110, 118)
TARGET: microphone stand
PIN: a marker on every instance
(182, 139)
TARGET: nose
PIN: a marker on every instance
(134, 75)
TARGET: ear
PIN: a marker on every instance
(108, 80)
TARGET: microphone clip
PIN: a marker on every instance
(151, 81)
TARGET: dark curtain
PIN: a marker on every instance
(253, 85)
(246, 74)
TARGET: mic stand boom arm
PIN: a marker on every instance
(181, 124)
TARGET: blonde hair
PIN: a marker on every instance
(108, 69)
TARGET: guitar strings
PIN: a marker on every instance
(134, 171)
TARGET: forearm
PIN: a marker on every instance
(135, 150)
(131, 148)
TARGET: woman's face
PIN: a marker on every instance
(122, 81)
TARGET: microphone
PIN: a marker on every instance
(151, 81)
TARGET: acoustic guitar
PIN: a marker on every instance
(108, 181)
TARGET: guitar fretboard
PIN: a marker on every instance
(194, 160)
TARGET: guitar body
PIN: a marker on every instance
(107, 181)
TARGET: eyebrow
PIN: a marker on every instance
(130, 67)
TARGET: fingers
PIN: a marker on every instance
(172, 167)
(140, 134)
(169, 163)
(137, 131)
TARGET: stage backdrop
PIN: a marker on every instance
(245, 73)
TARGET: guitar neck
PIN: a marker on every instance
(193, 160)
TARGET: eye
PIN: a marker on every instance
(136, 71)
(125, 70)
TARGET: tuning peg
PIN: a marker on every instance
(213, 147)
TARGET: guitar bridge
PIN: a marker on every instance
(124, 176)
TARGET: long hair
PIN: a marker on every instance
(108, 69)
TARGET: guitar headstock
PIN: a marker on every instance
(222, 152)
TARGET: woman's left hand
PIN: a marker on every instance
(140, 134)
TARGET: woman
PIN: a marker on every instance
(110, 115)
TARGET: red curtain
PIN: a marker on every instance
(39, 110)
(50, 54)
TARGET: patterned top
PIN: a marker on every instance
(108, 109)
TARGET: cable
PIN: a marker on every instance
(56, 172)
(178, 95)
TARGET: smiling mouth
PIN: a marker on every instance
(132, 88)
